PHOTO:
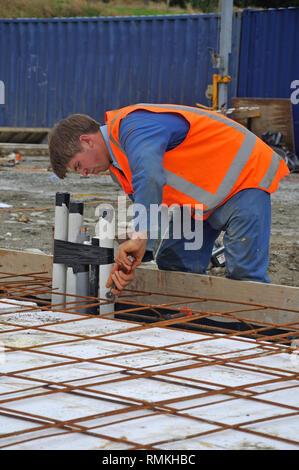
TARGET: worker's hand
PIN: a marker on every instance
(129, 256)
(119, 279)
(131, 251)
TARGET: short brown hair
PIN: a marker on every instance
(64, 141)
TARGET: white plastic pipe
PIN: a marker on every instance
(106, 234)
(94, 280)
(83, 277)
(74, 226)
(60, 233)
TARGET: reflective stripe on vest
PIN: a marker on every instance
(268, 178)
(211, 201)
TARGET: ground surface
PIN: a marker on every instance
(30, 189)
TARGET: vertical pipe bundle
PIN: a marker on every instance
(60, 233)
(81, 271)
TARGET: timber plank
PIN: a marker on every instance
(275, 115)
(211, 287)
(167, 286)
(24, 262)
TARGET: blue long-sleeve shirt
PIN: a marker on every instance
(145, 137)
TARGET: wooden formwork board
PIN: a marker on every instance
(25, 149)
(23, 135)
(17, 261)
(275, 115)
(276, 304)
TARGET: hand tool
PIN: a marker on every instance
(109, 294)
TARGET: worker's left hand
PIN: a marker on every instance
(131, 251)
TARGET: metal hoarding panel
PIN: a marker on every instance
(54, 67)
(269, 65)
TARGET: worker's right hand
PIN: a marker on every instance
(119, 279)
(129, 255)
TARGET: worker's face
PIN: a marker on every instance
(94, 156)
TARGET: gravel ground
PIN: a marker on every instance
(30, 190)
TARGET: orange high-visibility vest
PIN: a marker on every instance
(218, 158)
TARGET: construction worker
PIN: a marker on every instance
(181, 155)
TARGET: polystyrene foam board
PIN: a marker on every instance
(91, 327)
(151, 429)
(22, 360)
(144, 384)
(63, 406)
(67, 373)
(228, 440)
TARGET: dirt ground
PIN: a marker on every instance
(29, 188)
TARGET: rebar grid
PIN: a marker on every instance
(76, 381)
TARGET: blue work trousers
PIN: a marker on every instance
(246, 220)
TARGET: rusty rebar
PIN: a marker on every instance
(188, 364)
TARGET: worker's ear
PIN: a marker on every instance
(87, 140)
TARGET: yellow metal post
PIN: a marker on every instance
(216, 80)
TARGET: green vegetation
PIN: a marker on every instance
(69, 8)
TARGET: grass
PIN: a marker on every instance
(125, 11)
(83, 8)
